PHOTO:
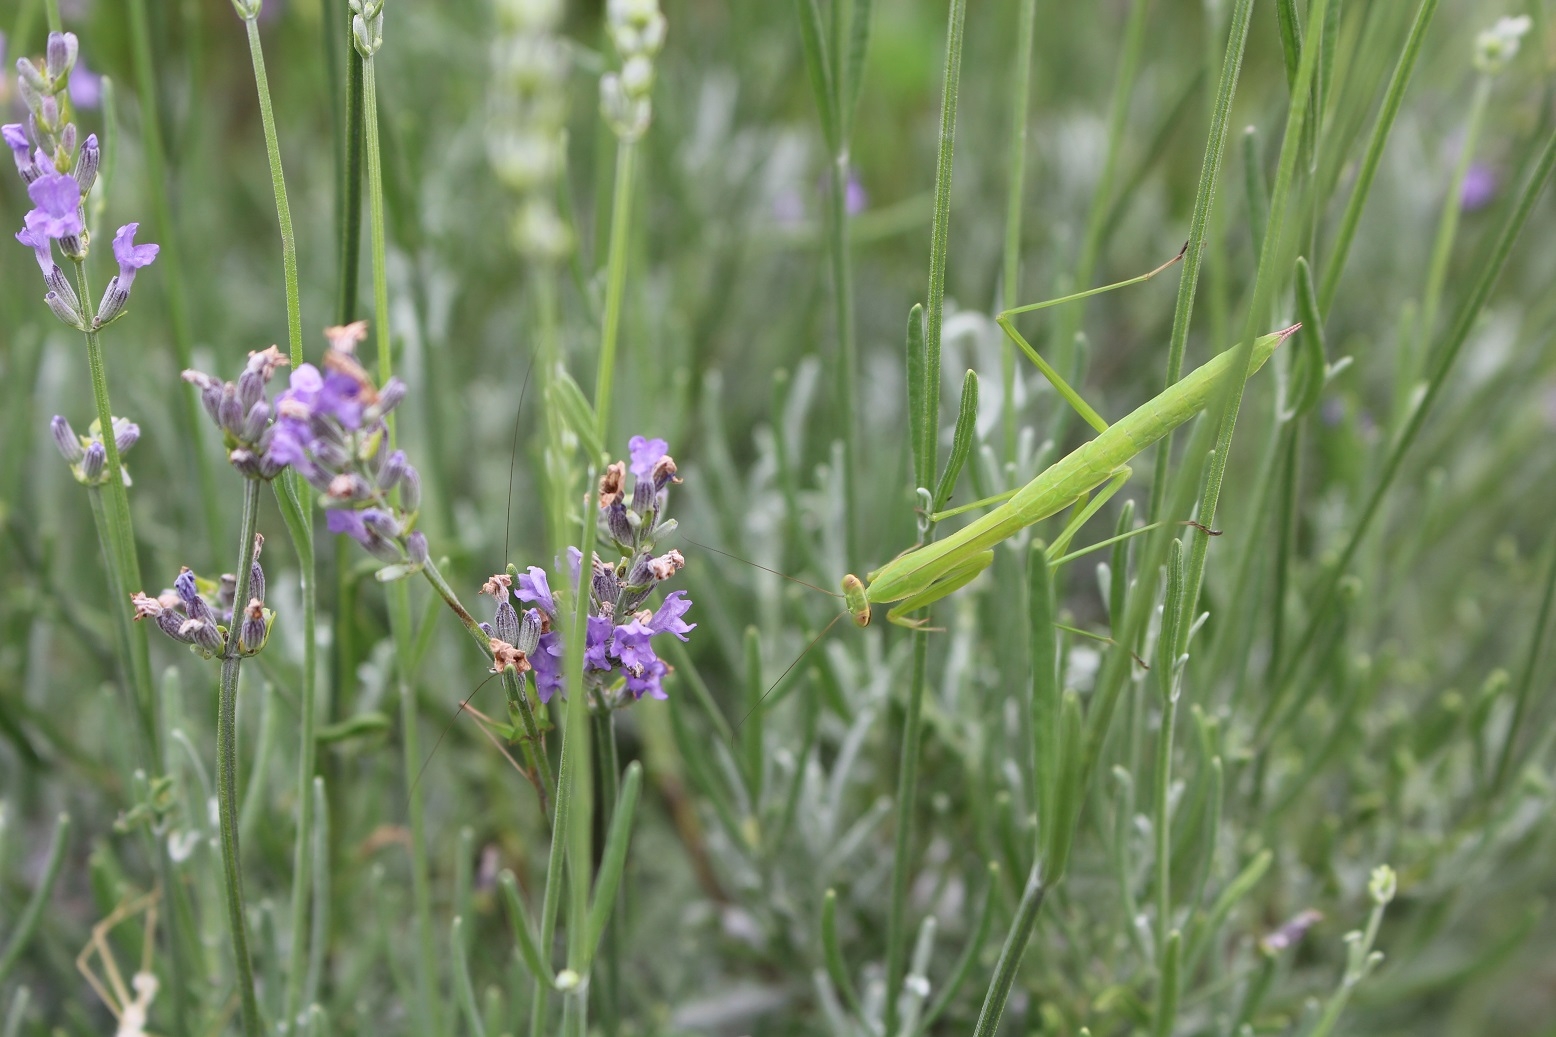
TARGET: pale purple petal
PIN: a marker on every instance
(667, 618)
(645, 454)
(344, 520)
(535, 589)
(130, 256)
(597, 644)
(39, 243)
(58, 201)
(632, 646)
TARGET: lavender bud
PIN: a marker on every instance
(486, 628)
(505, 625)
(416, 548)
(172, 624)
(393, 471)
(529, 632)
(202, 633)
(231, 411)
(254, 424)
(251, 387)
(665, 528)
(72, 246)
(185, 587)
(247, 463)
(410, 489)
(30, 78)
(59, 284)
(389, 397)
(247, 9)
(604, 584)
(60, 56)
(349, 486)
(642, 572)
(125, 434)
(87, 163)
(62, 309)
(618, 523)
(255, 628)
(257, 581)
(66, 439)
(210, 388)
(67, 139)
(643, 497)
(381, 522)
(93, 462)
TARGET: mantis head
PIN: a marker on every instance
(855, 601)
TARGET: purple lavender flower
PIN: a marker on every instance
(58, 200)
(21, 148)
(597, 644)
(333, 395)
(535, 589)
(547, 665)
(130, 256)
(646, 454)
(667, 618)
(40, 245)
(1479, 188)
(631, 642)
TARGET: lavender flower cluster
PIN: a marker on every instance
(59, 175)
(329, 427)
(199, 613)
(620, 664)
(86, 455)
(244, 415)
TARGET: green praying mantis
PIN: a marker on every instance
(923, 575)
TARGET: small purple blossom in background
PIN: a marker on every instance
(1480, 187)
(855, 200)
(620, 663)
(86, 86)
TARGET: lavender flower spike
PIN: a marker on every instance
(58, 200)
(130, 256)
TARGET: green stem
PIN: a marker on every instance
(912, 723)
(1204, 203)
(429, 1015)
(847, 345)
(1161, 826)
(302, 542)
(190, 430)
(227, 767)
(351, 191)
(1010, 285)
(608, 997)
(1010, 954)
(615, 285)
(1448, 222)
(294, 320)
(375, 208)
(119, 544)
(1101, 201)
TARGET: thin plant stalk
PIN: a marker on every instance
(615, 285)
(1010, 284)
(302, 542)
(227, 769)
(912, 723)
(190, 429)
(398, 593)
(123, 562)
(1448, 222)
(847, 344)
(1199, 221)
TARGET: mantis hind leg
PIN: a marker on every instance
(949, 582)
(1088, 508)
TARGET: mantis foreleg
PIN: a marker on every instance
(948, 582)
